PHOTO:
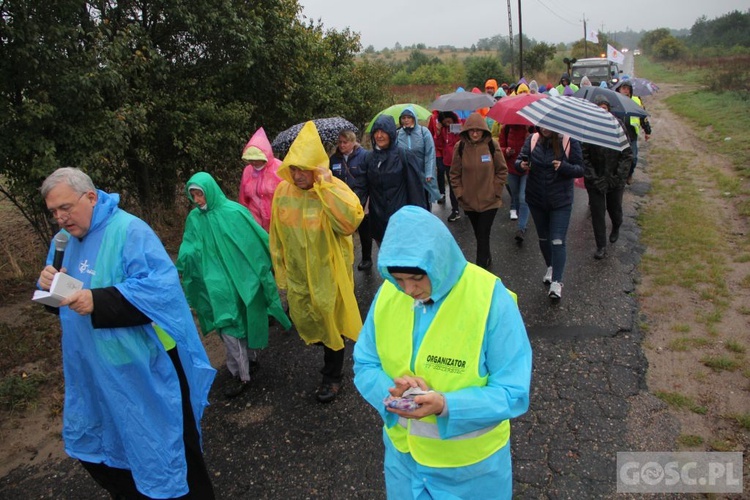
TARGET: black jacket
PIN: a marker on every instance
(391, 179)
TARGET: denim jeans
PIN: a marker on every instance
(552, 228)
(517, 185)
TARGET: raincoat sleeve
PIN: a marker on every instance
(340, 204)
(369, 376)
(275, 243)
(501, 171)
(507, 358)
(455, 172)
(242, 198)
(623, 166)
(429, 153)
(361, 185)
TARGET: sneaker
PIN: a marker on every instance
(441, 201)
(327, 392)
(365, 265)
(520, 235)
(454, 216)
(555, 290)
(600, 253)
(514, 215)
(548, 276)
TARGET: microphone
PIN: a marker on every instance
(60, 241)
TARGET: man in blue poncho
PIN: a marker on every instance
(136, 374)
(450, 330)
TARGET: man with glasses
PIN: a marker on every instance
(136, 374)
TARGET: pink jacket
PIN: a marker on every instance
(257, 186)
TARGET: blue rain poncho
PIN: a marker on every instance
(122, 396)
(416, 238)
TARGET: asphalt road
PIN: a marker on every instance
(276, 441)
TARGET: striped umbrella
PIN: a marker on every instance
(578, 118)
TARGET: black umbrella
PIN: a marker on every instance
(328, 129)
(619, 104)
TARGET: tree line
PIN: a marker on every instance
(142, 94)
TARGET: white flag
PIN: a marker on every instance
(615, 55)
(592, 36)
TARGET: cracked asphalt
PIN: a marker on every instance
(588, 390)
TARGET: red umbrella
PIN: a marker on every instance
(504, 110)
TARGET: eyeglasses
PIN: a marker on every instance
(62, 213)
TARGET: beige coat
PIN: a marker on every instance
(477, 177)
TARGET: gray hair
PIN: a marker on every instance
(73, 177)
(349, 135)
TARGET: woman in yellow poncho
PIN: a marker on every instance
(312, 219)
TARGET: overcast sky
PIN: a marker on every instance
(382, 23)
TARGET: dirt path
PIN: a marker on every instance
(672, 312)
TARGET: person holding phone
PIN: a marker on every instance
(553, 161)
(454, 443)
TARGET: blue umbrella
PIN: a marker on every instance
(578, 118)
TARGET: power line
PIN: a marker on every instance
(556, 14)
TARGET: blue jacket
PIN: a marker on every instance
(418, 139)
(392, 179)
(354, 164)
(505, 357)
(546, 187)
(122, 394)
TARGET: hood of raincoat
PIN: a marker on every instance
(474, 121)
(307, 152)
(409, 111)
(585, 82)
(385, 123)
(215, 197)
(491, 84)
(533, 87)
(224, 255)
(565, 76)
(435, 251)
(260, 141)
(522, 89)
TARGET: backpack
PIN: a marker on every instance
(535, 139)
(491, 145)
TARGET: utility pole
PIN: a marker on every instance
(510, 33)
(585, 38)
(520, 43)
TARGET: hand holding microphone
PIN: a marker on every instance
(48, 273)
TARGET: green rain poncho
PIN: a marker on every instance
(226, 268)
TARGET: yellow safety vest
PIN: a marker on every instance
(635, 121)
(448, 360)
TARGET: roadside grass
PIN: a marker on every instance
(668, 73)
(720, 363)
(688, 248)
(690, 440)
(682, 344)
(735, 347)
(681, 402)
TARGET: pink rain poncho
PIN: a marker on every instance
(258, 185)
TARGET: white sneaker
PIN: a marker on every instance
(548, 276)
(513, 215)
(555, 290)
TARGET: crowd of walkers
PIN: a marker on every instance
(442, 355)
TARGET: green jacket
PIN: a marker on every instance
(226, 268)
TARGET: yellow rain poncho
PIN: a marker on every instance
(311, 245)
